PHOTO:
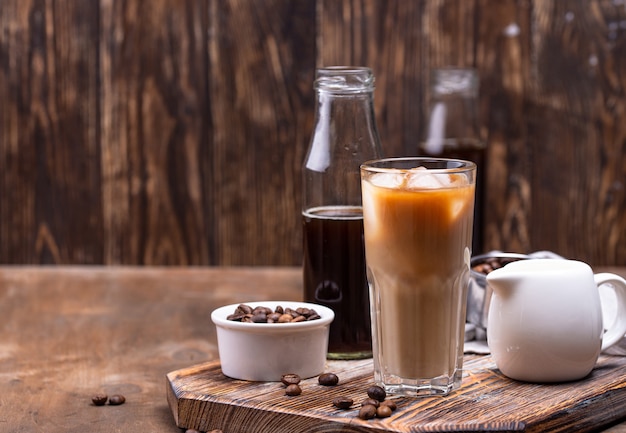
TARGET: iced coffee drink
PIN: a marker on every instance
(418, 231)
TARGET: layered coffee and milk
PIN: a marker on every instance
(418, 232)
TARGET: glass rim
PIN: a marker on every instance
(344, 79)
(377, 165)
(346, 69)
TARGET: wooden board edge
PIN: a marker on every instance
(172, 399)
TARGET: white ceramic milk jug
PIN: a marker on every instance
(545, 320)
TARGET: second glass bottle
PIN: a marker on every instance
(452, 131)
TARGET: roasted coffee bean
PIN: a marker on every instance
(328, 379)
(285, 318)
(483, 268)
(367, 412)
(370, 402)
(262, 310)
(100, 399)
(273, 318)
(303, 311)
(342, 402)
(293, 389)
(376, 392)
(116, 400)
(389, 403)
(290, 379)
(259, 317)
(494, 263)
(383, 411)
(260, 314)
(312, 313)
(245, 309)
(291, 312)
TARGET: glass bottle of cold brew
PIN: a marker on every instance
(452, 131)
(344, 136)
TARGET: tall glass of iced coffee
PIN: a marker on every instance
(417, 215)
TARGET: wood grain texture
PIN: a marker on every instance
(174, 133)
(261, 77)
(201, 397)
(49, 142)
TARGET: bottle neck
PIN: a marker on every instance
(344, 131)
(344, 136)
(453, 111)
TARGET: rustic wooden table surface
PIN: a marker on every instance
(67, 333)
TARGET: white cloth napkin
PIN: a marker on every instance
(474, 344)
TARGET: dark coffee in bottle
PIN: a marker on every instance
(334, 275)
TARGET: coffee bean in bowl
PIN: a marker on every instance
(264, 350)
(261, 314)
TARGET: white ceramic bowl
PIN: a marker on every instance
(266, 351)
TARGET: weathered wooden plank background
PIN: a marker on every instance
(172, 132)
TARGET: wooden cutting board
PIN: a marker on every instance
(201, 397)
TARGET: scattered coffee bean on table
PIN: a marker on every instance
(383, 411)
(328, 379)
(392, 404)
(99, 399)
(290, 379)
(342, 402)
(367, 412)
(293, 390)
(376, 392)
(247, 314)
(376, 405)
(370, 402)
(116, 400)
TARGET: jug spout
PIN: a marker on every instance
(503, 281)
(507, 278)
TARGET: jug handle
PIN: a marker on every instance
(618, 329)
